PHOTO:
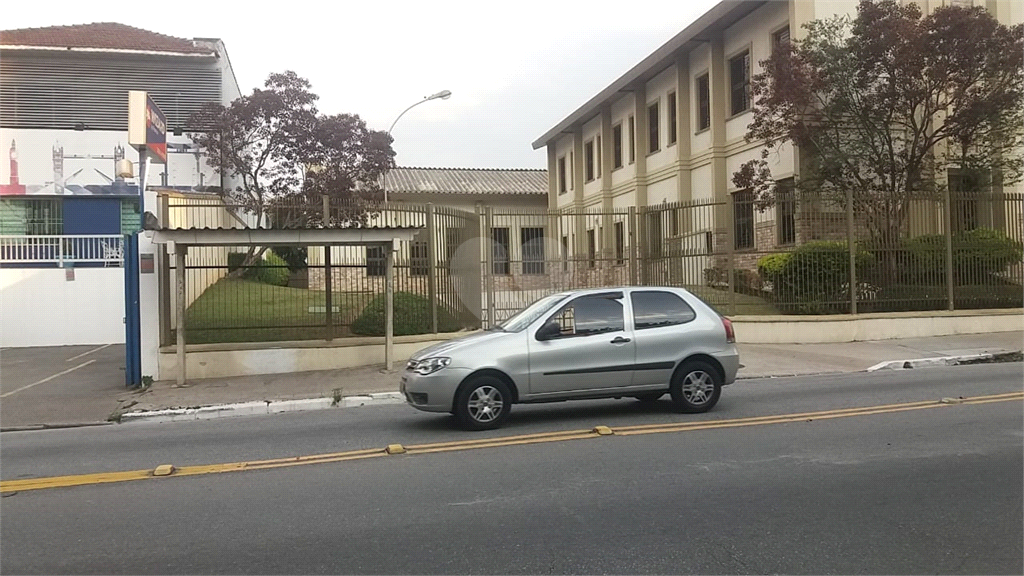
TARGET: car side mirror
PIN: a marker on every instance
(550, 330)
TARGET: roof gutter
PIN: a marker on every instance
(110, 51)
(660, 58)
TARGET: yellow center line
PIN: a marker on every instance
(519, 440)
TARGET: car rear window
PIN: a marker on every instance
(655, 308)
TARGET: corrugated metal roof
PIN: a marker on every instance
(467, 181)
(102, 36)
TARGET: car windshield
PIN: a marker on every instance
(528, 315)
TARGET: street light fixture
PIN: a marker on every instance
(442, 95)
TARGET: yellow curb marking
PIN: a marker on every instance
(433, 448)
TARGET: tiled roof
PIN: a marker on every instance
(101, 36)
(467, 181)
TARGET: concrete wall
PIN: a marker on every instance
(42, 307)
(213, 361)
(849, 328)
(221, 361)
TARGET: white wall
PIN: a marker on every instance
(41, 307)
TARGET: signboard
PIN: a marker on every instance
(147, 125)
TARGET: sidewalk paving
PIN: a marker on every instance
(310, 390)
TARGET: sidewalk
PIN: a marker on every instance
(353, 387)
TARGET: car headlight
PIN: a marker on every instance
(428, 365)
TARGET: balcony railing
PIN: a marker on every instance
(59, 250)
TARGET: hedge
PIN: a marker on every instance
(411, 316)
(270, 270)
(977, 255)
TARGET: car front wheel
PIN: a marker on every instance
(483, 403)
(696, 387)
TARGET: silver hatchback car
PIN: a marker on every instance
(640, 342)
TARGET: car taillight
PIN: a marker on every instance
(730, 335)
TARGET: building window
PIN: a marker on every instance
(632, 139)
(375, 264)
(655, 238)
(703, 103)
(452, 241)
(617, 146)
(671, 118)
(599, 152)
(419, 264)
(591, 249)
(561, 176)
(964, 198)
(620, 242)
(743, 216)
(572, 170)
(532, 241)
(739, 81)
(673, 222)
(785, 209)
(588, 158)
(653, 123)
(44, 217)
(565, 253)
(780, 37)
(499, 251)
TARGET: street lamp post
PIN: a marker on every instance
(442, 95)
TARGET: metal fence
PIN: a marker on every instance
(469, 269)
(60, 250)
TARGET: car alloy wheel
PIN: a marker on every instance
(482, 403)
(696, 387)
(485, 404)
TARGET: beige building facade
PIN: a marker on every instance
(672, 129)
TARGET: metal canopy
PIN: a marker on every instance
(178, 242)
(271, 237)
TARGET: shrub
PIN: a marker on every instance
(295, 256)
(270, 270)
(977, 255)
(411, 316)
(814, 278)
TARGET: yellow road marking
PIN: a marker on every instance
(524, 439)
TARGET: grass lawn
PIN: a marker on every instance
(234, 310)
(746, 305)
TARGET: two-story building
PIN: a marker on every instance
(672, 129)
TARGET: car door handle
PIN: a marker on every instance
(620, 340)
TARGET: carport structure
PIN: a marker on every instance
(178, 242)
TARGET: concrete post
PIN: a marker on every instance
(389, 291)
(179, 269)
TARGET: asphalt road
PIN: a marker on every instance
(937, 490)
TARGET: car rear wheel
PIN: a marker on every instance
(696, 387)
(483, 403)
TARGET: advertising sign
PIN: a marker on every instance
(147, 125)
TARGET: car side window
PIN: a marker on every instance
(590, 315)
(655, 308)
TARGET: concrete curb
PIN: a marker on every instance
(260, 407)
(947, 361)
(34, 427)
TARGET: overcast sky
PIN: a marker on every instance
(515, 69)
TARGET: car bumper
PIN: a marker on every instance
(433, 392)
(730, 361)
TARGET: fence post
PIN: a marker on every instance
(488, 241)
(328, 292)
(432, 266)
(730, 247)
(948, 233)
(633, 240)
(851, 247)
